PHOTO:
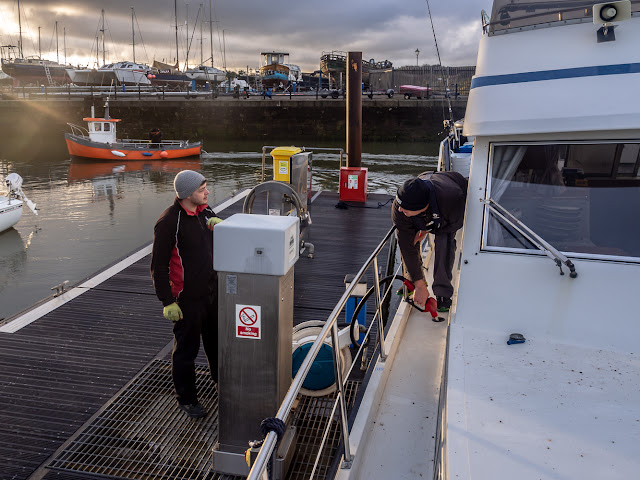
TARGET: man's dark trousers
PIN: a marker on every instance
(200, 319)
(445, 250)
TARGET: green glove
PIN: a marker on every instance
(213, 221)
(172, 312)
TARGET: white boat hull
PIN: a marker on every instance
(92, 77)
(10, 212)
(129, 77)
(206, 74)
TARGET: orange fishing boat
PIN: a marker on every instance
(99, 141)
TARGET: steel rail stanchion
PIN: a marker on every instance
(340, 384)
(383, 355)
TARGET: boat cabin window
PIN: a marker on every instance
(97, 127)
(107, 127)
(582, 198)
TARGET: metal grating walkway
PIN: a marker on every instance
(142, 434)
(311, 418)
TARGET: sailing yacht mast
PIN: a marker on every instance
(39, 45)
(133, 33)
(57, 49)
(175, 9)
(20, 27)
(201, 51)
(102, 32)
(186, 23)
(224, 52)
(211, 32)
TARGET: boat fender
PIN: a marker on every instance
(147, 154)
(118, 153)
(164, 154)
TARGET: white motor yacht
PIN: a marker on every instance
(204, 73)
(534, 372)
(130, 73)
(103, 76)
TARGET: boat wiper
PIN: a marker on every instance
(544, 246)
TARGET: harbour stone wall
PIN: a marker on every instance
(227, 118)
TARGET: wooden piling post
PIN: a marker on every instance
(354, 109)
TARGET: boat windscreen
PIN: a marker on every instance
(509, 14)
(582, 198)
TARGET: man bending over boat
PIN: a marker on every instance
(434, 203)
(186, 283)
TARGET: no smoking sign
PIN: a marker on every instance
(248, 321)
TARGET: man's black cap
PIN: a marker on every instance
(413, 194)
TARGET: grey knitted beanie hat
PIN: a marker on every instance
(187, 182)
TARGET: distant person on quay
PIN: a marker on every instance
(155, 137)
(186, 283)
(434, 203)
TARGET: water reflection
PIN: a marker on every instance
(86, 169)
(108, 178)
(13, 257)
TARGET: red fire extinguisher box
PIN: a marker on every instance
(353, 184)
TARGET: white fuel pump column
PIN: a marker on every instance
(254, 256)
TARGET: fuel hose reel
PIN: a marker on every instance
(321, 379)
(282, 199)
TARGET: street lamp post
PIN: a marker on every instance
(417, 55)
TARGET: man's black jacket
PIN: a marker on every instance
(451, 196)
(182, 256)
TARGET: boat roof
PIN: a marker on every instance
(521, 88)
(514, 15)
(89, 119)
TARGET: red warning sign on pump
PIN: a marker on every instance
(248, 321)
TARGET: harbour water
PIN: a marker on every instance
(93, 213)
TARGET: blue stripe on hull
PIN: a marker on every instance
(594, 71)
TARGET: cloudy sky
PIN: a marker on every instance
(242, 29)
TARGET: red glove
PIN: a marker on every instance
(432, 307)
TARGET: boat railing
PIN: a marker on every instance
(331, 327)
(486, 21)
(340, 151)
(78, 130)
(141, 143)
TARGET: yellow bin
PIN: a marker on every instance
(282, 162)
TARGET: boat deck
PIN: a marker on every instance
(394, 433)
(66, 360)
(401, 441)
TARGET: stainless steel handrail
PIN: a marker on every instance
(269, 443)
(133, 142)
(358, 353)
(541, 244)
(78, 130)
